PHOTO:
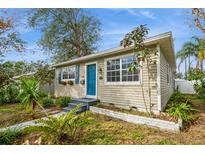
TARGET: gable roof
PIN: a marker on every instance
(165, 40)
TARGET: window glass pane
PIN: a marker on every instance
(113, 70)
(127, 75)
(65, 75)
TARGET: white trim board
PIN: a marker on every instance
(159, 105)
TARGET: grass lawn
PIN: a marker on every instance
(11, 114)
(106, 130)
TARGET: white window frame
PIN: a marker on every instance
(121, 82)
(64, 69)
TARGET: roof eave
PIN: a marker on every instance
(149, 41)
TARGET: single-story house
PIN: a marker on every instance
(105, 76)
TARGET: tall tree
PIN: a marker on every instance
(200, 52)
(45, 75)
(188, 50)
(66, 33)
(198, 15)
(9, 38)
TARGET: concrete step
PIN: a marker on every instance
(85, 102)
(81, 109)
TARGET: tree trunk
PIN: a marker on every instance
(189, 60)
(34, 104)
(198, 64)
(201, 65)
(149, 89)
(185, 67)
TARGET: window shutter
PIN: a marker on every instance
(77, 77)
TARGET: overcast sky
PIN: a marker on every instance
(115, 24)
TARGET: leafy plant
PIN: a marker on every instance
(9, 93)
(57, 129)
(42, 94)
(183, 111)
(177, 97)
(29, 94)
(63, 101)
(47, 102)
(7, 136)
(3, 99)
(143, 54)
(199, 85)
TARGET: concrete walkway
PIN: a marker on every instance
(29, 123)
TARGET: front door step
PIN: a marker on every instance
(86, 102)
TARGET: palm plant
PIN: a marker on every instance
(56, 129)
(29, 94)
(200, 54)
(188, 50)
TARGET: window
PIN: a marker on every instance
(113, 70)
(117, 70)
(68, 73)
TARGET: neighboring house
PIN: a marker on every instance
(105, 76)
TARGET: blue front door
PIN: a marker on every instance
(91, 80)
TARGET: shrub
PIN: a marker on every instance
(9, 93)
(3, 99)
(12, 92)
(199, 85)
(177, 97)
(47, 102)
(29, 94)
(42, 94)
(8, 136)
(63, 101)
(183, 111)
(55, 130)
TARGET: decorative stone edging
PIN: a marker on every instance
(162, 124)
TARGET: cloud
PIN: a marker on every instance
(144, 13)
(148, 14)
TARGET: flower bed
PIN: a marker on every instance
(153, 122)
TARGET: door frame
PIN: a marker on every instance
(96, 71)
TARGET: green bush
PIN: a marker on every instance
(177, 97)
(47, 102)
(63, 101)
(3, 99)
(183, 111)
(9, 93)
(12, 91)
(199, 85)
(42, 94)
(8, 136)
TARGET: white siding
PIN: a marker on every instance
(166, 89)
